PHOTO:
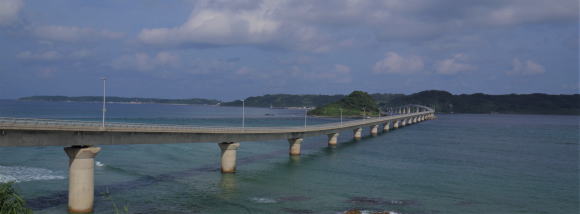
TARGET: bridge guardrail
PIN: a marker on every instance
(52, 123)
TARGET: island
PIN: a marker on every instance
(359, 102)
(356, 104)
(136, 100)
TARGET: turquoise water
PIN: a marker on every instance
(455, 164)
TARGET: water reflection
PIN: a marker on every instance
(228, 185)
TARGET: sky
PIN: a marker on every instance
(230, 50)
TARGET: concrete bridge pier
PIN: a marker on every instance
(295, 146)
(357, 133)
(374, 130)
(396, 124)
(81, 184)
(387, 126)
(404, 122)
(228, 157)
(332, 139)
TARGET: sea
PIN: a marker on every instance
(458, 163)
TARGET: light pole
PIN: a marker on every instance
(104, 100)
(364, 113)
(243, 114)
(340, 117)
(305, 115)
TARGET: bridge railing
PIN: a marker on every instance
(53, 123)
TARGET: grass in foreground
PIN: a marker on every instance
(10, 201)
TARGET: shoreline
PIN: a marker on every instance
(288, 108)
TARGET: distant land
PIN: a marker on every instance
(357, 103)
(441, 101)
(291, 100)
(120, 100)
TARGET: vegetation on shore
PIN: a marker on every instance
(286, 100)
(358, 103)
(10, 201)
(442, 101)
(120, 100)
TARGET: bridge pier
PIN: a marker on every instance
(332, 139)
(404, 122)
(295, 146)
(228, 156)
(396, 124)
(387, 126)
(81, 184)
(357, 133)
(374, 130)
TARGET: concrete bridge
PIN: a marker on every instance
(79, 139)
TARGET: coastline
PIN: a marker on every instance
(290, 108)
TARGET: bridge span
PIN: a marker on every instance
(80, 138)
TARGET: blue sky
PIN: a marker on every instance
(233, 49)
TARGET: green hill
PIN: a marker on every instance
(286, 100)
(355, 104)
(446, 102)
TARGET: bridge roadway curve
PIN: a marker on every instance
(37, 132)
(78, 137)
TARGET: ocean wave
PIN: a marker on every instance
(99, 164)
(23, 174)
(263, 200)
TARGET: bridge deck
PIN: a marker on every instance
(46, 132)
(93, 126)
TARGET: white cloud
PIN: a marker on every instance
(53, 55)
(340, 74)
(529, 11)
(9, 10)
(394, 63)
(453, 65)
(146, 62)
(527, 67)
(258, 23)
(45, 56)
(73, 34)
(217, 27)
(337, 74)
(318, 25)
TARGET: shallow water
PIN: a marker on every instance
(455, 164)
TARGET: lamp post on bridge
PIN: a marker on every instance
(243, 114)
(364, 112)
(340, 117)
(305, 115)
(104, 100)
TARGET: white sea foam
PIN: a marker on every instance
(99, 164)
(370, 212)
(24, 174)
(263, 200)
